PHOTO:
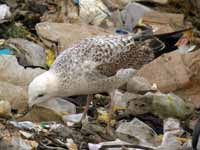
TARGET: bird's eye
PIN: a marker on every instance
(40, 95)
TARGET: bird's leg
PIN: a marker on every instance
(89, 99)
(109, 114)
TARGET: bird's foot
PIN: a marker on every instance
(89, 99)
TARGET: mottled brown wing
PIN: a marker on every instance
(135, 56)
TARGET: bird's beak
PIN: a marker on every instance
(30, 104)
(36, 101)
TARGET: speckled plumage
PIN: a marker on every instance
(100, 57)
(92, 65)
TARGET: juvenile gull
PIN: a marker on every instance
(93, 65)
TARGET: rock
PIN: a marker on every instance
(27, 52)
(51, 110)
(138, 84)
(13, 88)
(175, 72)
(5, 109)
(64, 35)
(136, 130)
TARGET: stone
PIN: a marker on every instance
(63, 35)
(176, 72)
(27, 52)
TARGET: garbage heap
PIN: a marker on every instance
(156, 109)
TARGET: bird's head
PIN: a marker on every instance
(42, 88)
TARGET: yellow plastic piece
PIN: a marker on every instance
(50, 57)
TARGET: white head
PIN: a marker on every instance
(42, 88)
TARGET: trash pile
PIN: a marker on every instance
(157, 109)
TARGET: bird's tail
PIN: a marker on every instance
(162, 43)
(170, 40)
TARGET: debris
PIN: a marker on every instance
(50, 57)
(172, 125)
(51, 110)
(163, 22)
(93, 11)
(5, 13)
(118, 102)
(137, 132)
(5, 109)
(63, 35)
(170, 105)
(27, 52)
(195, 135)
(19, 143)
(25, 125)
(71, 145)
(15, 95)
(182, 78)
(27, 135)
(104, 144)
(186, 49)
(12, 85)
(138, 84)
(172, 129)
(103, 115)
(132, 14)
(151, 110)
(73, 118)
(5, 51)
(154, 1)
(14, 30)
(12, 72)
